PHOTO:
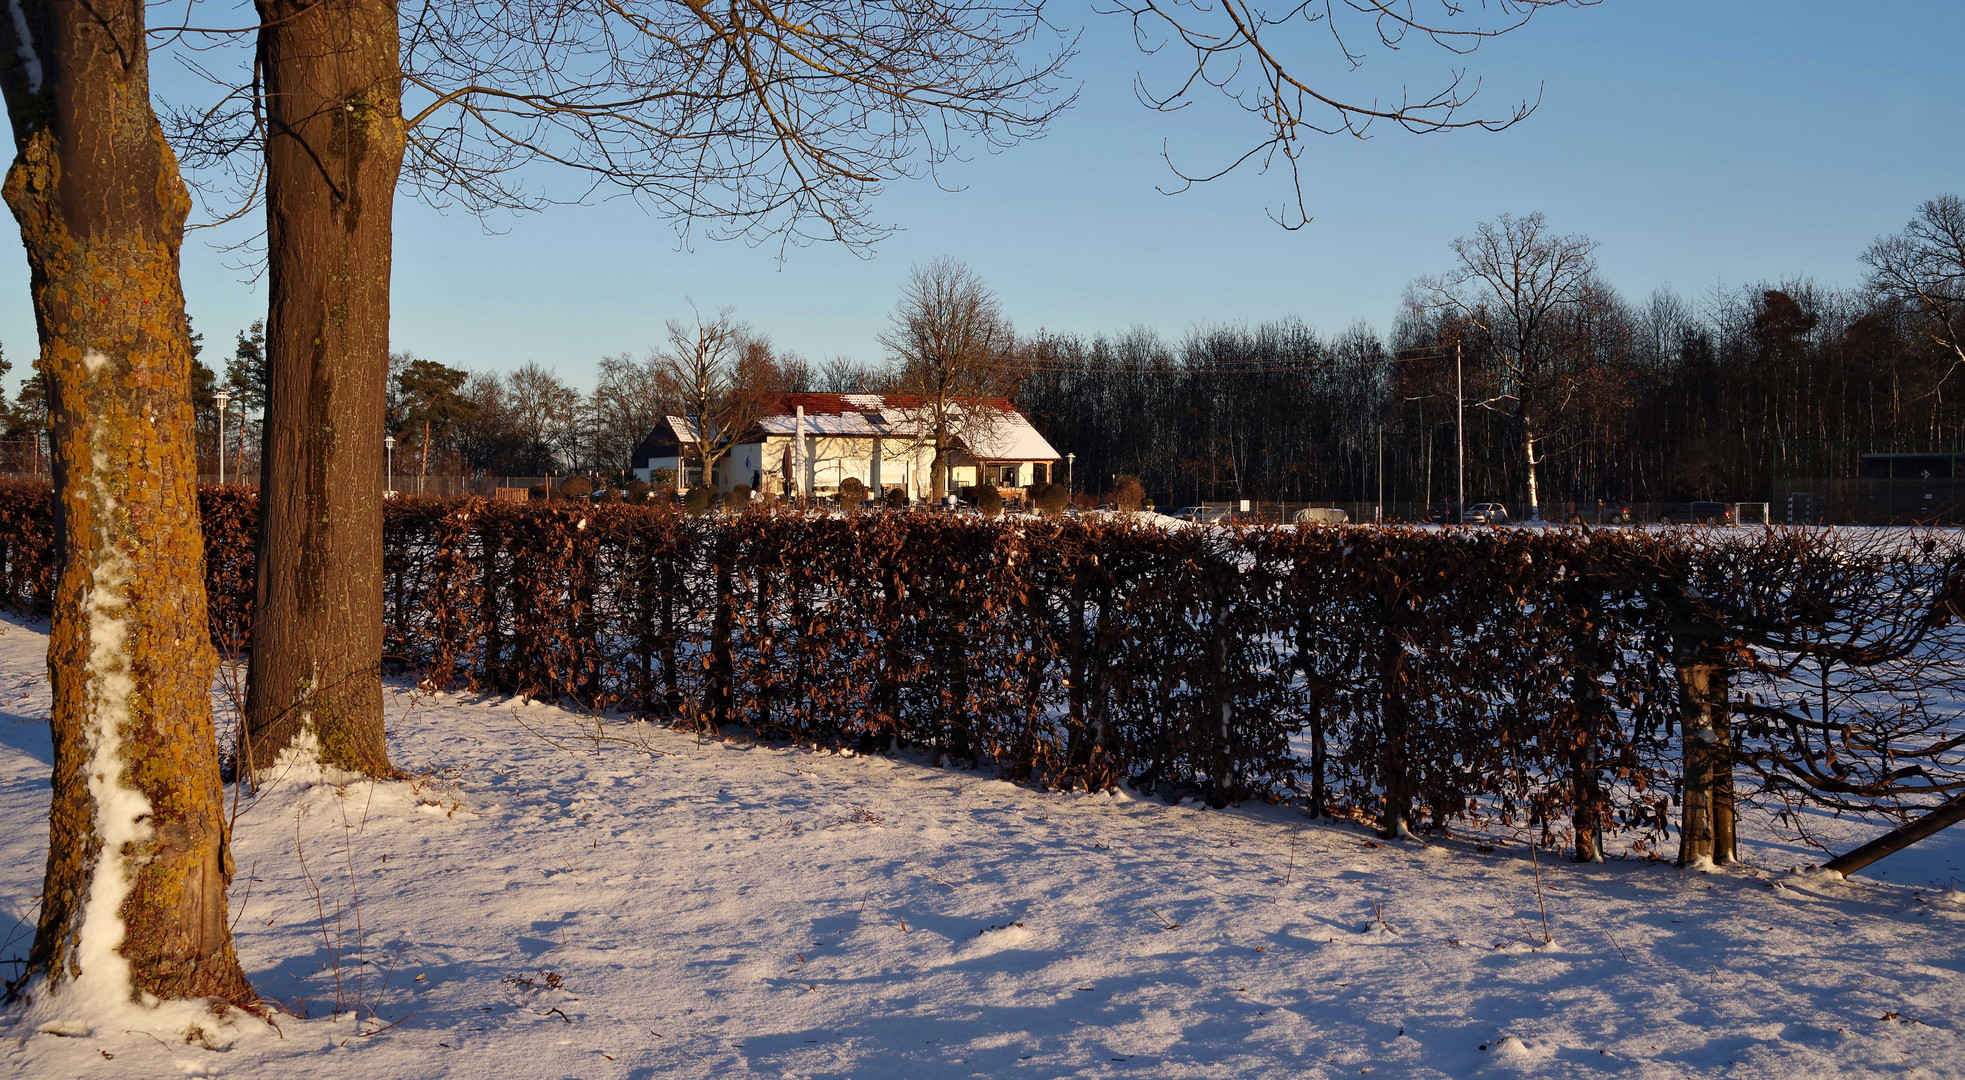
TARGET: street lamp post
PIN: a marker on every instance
(223, 400)
(1459, 433)
(1071, 472)
(389, 449)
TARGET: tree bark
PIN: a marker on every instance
(1392, 754)
(1947, 814)
(1706, 832)
(333, 153)
(139, 859)
(1593, 715)
(1534, 488)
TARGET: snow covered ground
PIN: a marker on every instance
(539, 905)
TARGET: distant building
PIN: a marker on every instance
(809, 443)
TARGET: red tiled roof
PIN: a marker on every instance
(839, 404)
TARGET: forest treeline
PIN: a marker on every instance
(1729, 395)
(1662, 398)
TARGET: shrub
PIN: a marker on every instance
(697, 501)
(989, 500)
(852, 492)
(897, 496)
(661, 478)
(1127, 494)
(576, 487)
(733, 500)
(1189, 661)
(540, 491)
(1050, 498)
(638, 491)
(606, 495)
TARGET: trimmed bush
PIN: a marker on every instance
(989, 500)
(576, 487)
(852, 492)
(1127, 494)
(697, 501)
(1050, 498)
(638, 491)
(1419, 678)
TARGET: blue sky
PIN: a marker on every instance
(1702, 144)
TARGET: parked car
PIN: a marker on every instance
(1203, 514)
(1487, 513)
(1319, 515)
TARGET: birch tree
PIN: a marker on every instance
(1514, 279)
(138, 859)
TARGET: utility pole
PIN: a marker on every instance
(1378, 515)
(223, 400)
(1459, 431)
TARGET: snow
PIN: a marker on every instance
(549, 896)
(100, 988)
(30, 63)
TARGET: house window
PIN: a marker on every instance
(1006, 476)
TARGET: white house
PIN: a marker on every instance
(809, 443)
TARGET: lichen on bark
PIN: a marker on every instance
(134, 901)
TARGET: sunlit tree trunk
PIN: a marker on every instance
(334, 151)
(1534, 489)
(138, 861)
(1706, 829)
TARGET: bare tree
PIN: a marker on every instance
(756, 119)
(542, 412)
(952, 348)
(629, 399)
(1514, 279)
(133, 904)
(842, 375)
(1259, 59)
(720, 374)
(1924, 266)
(334, 137)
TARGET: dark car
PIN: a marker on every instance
(1700, 513)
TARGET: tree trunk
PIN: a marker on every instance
(1593, 714)
(1706, 832)
(1393, 764)
(1534, 488)
(1944, 816)
(938, 476)
(333, 152)
(138, 859)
